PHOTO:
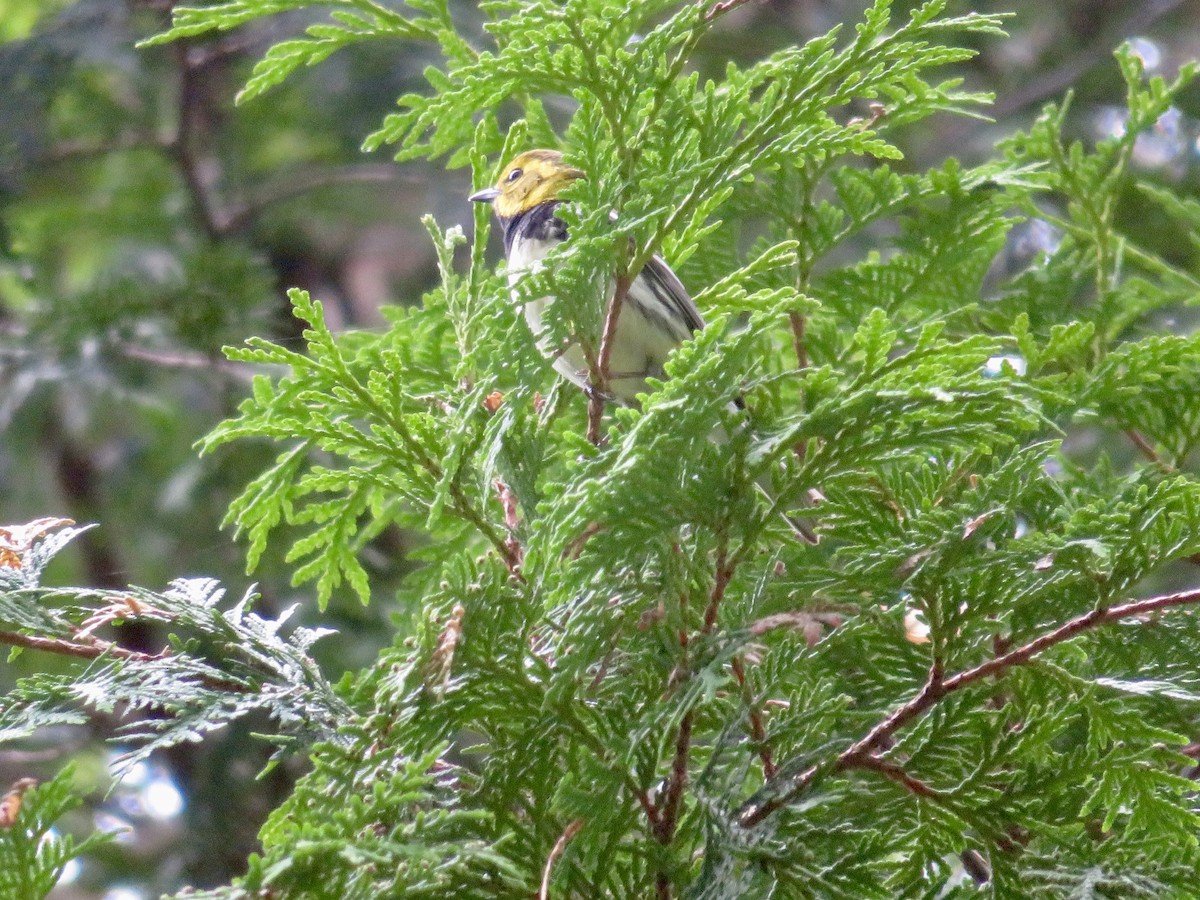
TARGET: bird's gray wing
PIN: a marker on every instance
(670, 290)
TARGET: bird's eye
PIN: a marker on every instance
(513, 175)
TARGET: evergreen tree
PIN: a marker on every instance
(625, 676)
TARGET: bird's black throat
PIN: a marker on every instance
(538, 223)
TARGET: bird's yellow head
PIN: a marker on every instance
(532, 178)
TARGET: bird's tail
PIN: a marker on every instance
(801, 529)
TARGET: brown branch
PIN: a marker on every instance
(668, 810)
(512, 522)
(600, 373)
(724, 574)
(95, 648)
(648, 808)
(862, 754)
(758, 732)
(668, 819)
(684, 639)
(556, 851)
(799, 346)
(89, 650)
(183, 147)
(673, 795)
(897, 774)
(1146, 448)
(719, 9)
(575, 546)
(462, 506)
(183, 360)
(297, 183)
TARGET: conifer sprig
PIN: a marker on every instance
(219, 666)
(866, 753)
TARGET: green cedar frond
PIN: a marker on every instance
(621, 673)
(33, 852)
(220, 666)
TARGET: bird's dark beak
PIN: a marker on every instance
(487, 195)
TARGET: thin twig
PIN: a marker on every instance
(668, 817)
(897, 774)
(89, 650)
(512, 522)
(799, 345)
(721, 579)
(296, 184)
(648, 808)
(600, 375)
(182, 360)
(183, 147)
(677, 781)
(862, 754)
(555, 852)
(95, 648)
(668, 810)
(719, 9)
(1147, 449)
(758, 732)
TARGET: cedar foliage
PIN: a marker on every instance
(625, 678)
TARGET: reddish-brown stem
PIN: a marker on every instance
(721, 579)
(719, 9)
(799, 345)
(862, 754)
(512, 561)
(758, 732)
(668, 818)
(649, 809)
(600, 374)
(512, 521)
(668, 809)
(555, 852)
(1146, 448)
(89, 650)
(679, 672)
(898, 775)
(676, 782)
(94, 648)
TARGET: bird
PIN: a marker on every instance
(657, 315)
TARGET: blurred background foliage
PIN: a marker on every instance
(145, 221)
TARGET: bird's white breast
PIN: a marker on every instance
(526, 256)
(638, 348)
